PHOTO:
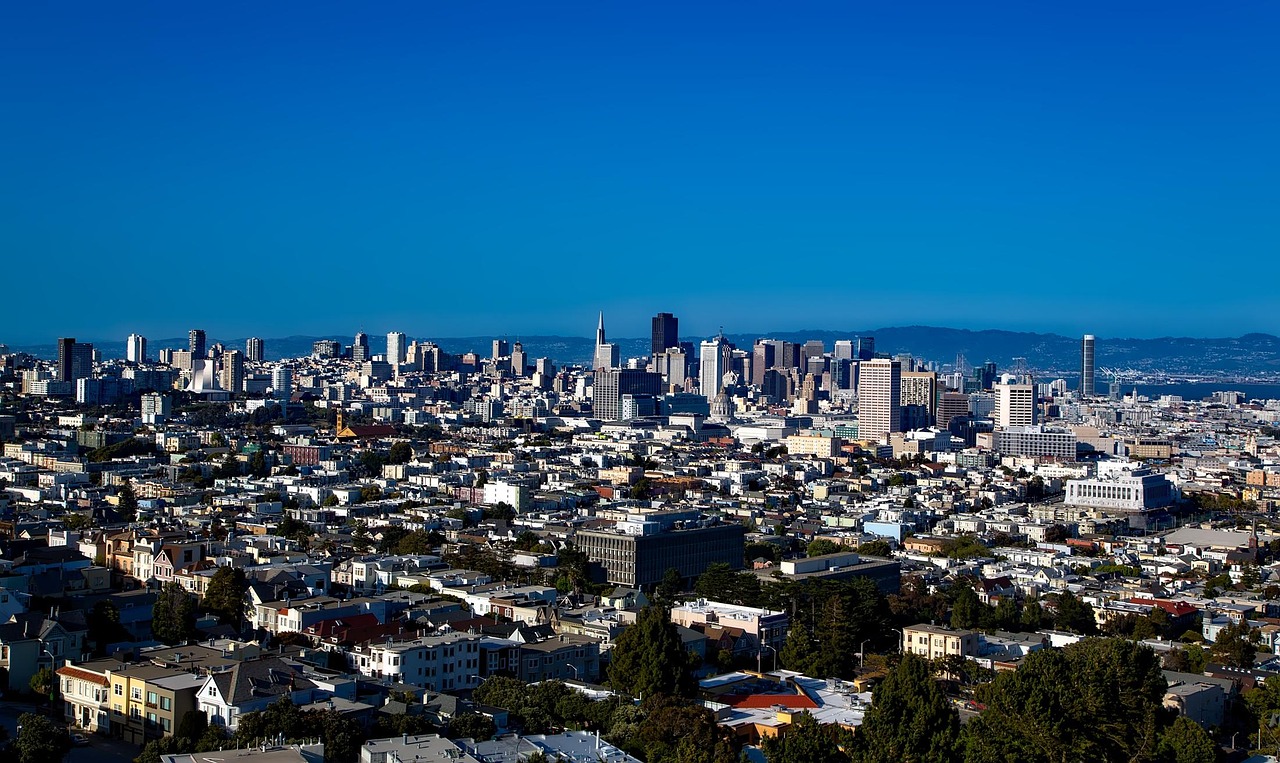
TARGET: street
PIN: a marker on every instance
(99, 750)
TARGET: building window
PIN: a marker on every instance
(119, 689)
(151, 698)
(135, 693)
(166, 724)
(166, 703)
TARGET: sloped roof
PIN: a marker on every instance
(255, 679)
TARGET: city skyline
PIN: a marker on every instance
(1027, 168)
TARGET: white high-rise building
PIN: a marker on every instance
(254, 349)
(281, 383)
(606, 355)
(712, 366)
(879, 398)
(1015, 401)
(135, 348)
(396, 347)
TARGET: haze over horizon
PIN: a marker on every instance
(463, 170)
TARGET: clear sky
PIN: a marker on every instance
(467, 168)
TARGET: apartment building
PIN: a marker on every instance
(934, 642)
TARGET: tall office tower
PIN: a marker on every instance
(907, 362)
(254, 349)
(195, 343)
(952, 405)
(1086, 366)
(75, 360)
(866, 347)
(763, 356)
(232, 371)
(395, 347)
(360, 348)
(844, 349)
(326, 348)
(1015, 398)
(813, 348)
(519, 361)
(787, 355)
(712, 365)
(879, 398)
(665, 333)
(677, 367)
(281, 383)
(500, 349)
(544, 366)
(606, 355)
(842, 373)
(921, 388)
(135, 348)
(611, 384)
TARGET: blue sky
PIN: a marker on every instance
(452, 169)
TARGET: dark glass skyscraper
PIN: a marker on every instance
(195, 343)
(1086, 366)
(665, 332)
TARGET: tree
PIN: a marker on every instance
(1185, 742)
(173, 618)
(155, 750)
(966, 610)
(258, 464)
(910, 719)
(1236, 645)
(875, 548)
(1097, 699)
(649, 658)
(1075, 615)
(821, 547)
(127, 502)
(837, 646)
(798, 652)
(38, 740)
(668, 590)
(104, 626)
(471, 726)
(42, 683)
(192, 725)
(401, 453)
(75, 522)
(224, 597)
(805, 741)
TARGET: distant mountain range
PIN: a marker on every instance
(1248, 355)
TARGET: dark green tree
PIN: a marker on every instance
(173, 617)
(1185, 742)
(472, 726)
(837, 646)
(1074, 615)
(155, 750)
(104, 626)
(799, 651)
(1236, 646)
(910, 720)
(127, 502)
(401, 453)
(225, 597)
(668, 590)
(875, 548)
(258, 464)
(806, 741)
(966, 610)
(1098, 699)
(192, 725)
(649, 658)
(38, 740)
(821, 547)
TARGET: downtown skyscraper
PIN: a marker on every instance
(1086, 366)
